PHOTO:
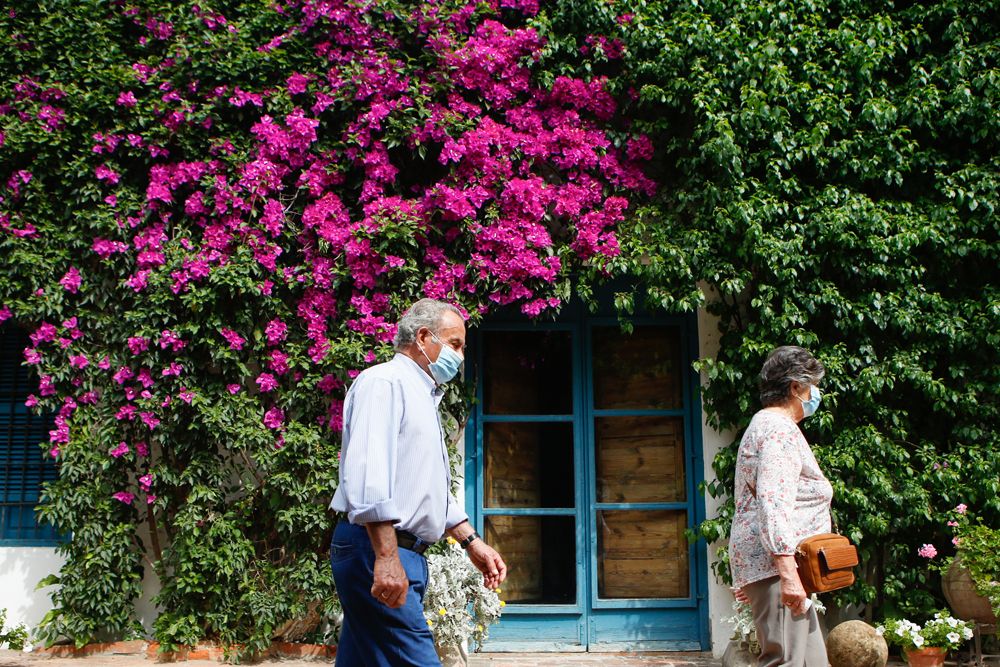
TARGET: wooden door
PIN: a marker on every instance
(581, 465)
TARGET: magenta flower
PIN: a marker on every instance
(186, 395)
(235, 340)
(142, 449)
(45, 333)
(927, 551)
(328, 384)
(266, 382)
(45, 386)
(137, 344)
(106, 173)
(126, 99)
(5, 313)
(174, 369)
(149, 419)
(278, 362)
(79, 361)
(126, 412)
(124, 496)
(274, 418)
(71, 281)
(172, 340)
(146, 481)
(119, 451)
(31, 356)
(962, 508)
(146, 378)
(233, 388)
(150, 499)
(276, 330)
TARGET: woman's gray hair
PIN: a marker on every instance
(784, 365)
(424, 313)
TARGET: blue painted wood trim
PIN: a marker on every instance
(525, 418)
(529, 511)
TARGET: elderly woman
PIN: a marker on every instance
(782, 497)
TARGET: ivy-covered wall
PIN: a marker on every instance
(211, 213)
(832, 170)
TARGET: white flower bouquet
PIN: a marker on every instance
(457, 606)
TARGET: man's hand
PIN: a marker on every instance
(488, 561)
(391, 583)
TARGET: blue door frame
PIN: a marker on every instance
(591, 623)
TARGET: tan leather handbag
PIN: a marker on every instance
(826, 562)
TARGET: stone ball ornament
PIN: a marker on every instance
(856, 644)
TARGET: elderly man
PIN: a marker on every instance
(395, 490)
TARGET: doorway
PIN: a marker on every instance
(582, 462)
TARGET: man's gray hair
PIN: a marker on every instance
(784, 365)
(424, 313)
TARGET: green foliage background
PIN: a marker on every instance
(830, 177)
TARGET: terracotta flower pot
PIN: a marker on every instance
(932, 656)
(962, 596)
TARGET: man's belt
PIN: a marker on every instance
(408, 540)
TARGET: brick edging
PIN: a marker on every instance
(213, 652)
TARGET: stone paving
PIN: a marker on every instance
(17, 659)
(593, 659)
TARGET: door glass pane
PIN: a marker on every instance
(528, 464)
(637, 371)
(540, 552)
(527, 373)
(642, 554)
(639, 459)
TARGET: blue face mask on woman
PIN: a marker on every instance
(447, 364)
(809, 407)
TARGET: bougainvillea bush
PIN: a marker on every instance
(211, 215)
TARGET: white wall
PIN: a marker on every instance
(21, 568)
(720, 599)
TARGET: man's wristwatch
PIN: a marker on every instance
(466, 541)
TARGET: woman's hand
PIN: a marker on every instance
(793, 595)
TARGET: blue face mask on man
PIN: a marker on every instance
(810, 406)
(447, 364)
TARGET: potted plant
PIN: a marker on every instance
(926, 645)
(459, 609)
(971, 580)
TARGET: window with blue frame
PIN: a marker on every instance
(24, 466)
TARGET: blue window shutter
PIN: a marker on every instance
(24, 466)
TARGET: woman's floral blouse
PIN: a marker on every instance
(782, 497)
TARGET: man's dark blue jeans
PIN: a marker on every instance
(374, 635)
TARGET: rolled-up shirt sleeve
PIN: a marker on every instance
(368, 464)
(777, 485)
(456, 514)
